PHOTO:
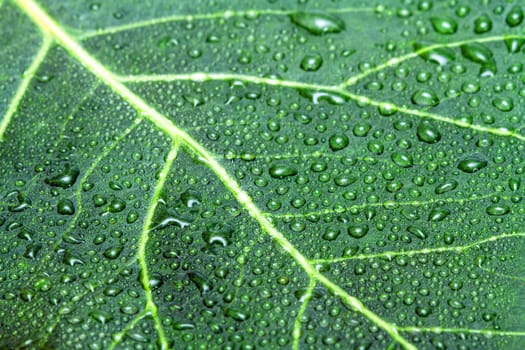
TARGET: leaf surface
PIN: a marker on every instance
(261, 175)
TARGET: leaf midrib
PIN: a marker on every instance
(53, 29)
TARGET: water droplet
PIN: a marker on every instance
(338, 142)
(423, 311)
(280, 171)
(455, 304)
(65, 179)
(438, 214)
(116, 205)
(183, 326)
(201, 282)
(498, 210)
(311, 63)
(444, 25)
(416, 231)
(425, 97)
(101, 316)
(482, 24)
(514, 44)
(361, 129)
(191, 199)
(236, 314)
(504, 104)
(331, 234)
(358, 231)
(446, 187)
(472, 164)
(440, 55)
(65, 207)
(218, 233)
(515, 16)
(113, 252)
(428, 133)
(22, 202)
(317, 96)
(403, 160)
(514, 184)
(479, 53)
(32, 250)
(318, 23)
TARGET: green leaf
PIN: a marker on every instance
(263, 175)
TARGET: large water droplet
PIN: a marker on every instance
(482, 24)
(498, 210)
(338, 142)
(444, 25)
(515, 16)
(425, 97)
(280, 171)
(311, 63)
(358, 231)
(440, 55)
(472, 164)
(428, 133)
(403, 160)
(65, 179)
(201, 282)
(479, 53)
(504, 104)
(318, 23)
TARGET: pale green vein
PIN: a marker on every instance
(22, 88)
(438, 330)
(387, 204)
(117, 338)
(206, 16)
(393, 254)
(48, 25)
(296, 334)
(151, 307)
(203, 77)
(397, 60)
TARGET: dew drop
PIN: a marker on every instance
(446, 187)
(440, 55)
(280, 171)
(65, 179)
(515, 16)
(425, 97)
(482, 24)
(311, 63)
(438, 214)
(318, 23)
(65, 207)
(472, 164)
(504, 104)
(338, 142)
(358, 231)
(428, 133)
(416, 231)
(403, 160)
(444, 25)
(498, 210)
